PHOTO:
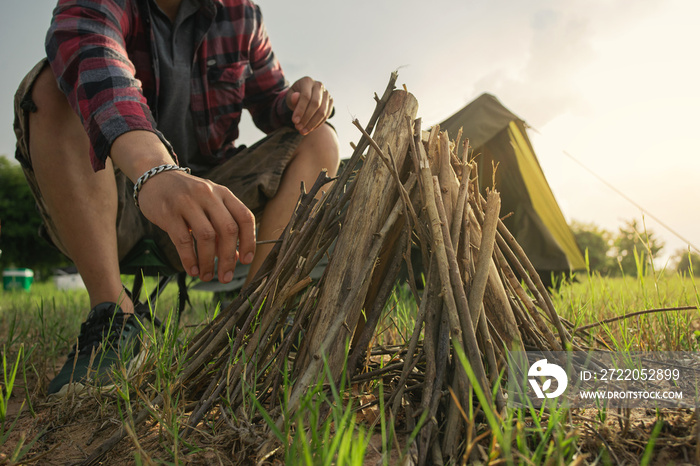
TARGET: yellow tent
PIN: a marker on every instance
(499, 138)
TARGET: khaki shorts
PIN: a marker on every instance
(253, 175)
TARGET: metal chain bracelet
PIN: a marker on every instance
(150, 174)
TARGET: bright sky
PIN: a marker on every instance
(613, 83)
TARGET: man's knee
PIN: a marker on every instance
(46, 95)
(323, 144)
(54, 114)
(55, 129)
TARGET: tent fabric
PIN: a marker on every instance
(534, 217)
(542, 197)
(481, 120)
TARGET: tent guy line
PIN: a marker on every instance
(631, 201)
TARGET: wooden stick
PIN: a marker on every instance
(433, 300)
(330, 338)
(395, 398)
(462, 194)
(351, 257)
(457, 326)
(539, 286)
(390, 163)
(483, 262)
(449, 185)
(375, 312)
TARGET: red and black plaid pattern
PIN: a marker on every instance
(101, 52)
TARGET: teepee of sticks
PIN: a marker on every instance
(402, 187)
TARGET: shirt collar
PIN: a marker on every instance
(211, 6)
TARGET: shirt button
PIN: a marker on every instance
(211, 62)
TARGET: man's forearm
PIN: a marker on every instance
(136, 152)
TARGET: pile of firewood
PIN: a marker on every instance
(402, 187)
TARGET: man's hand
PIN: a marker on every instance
(204, 220)
(311, 104)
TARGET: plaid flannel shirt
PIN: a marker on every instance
(101, 52)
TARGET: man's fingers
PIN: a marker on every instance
(246, 227)
(321, 114)
(182, 239)
(227, 239)
(299, 111)
(232, 220)
(293, 100)
(226, 223)
(313, 99)
(206, 237)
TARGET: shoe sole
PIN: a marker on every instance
(78, 388)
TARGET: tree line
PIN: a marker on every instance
(20, 243)
(629, 251)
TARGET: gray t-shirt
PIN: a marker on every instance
(175, 46)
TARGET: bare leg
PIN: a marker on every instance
(318, 150)
(82, 203)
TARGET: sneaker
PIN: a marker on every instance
(107, 337)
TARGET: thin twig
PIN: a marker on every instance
(635, 314)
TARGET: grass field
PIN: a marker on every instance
(337, 425)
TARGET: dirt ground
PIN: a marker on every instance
(70, 430)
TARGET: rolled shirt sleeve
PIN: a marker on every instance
(86, 48)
